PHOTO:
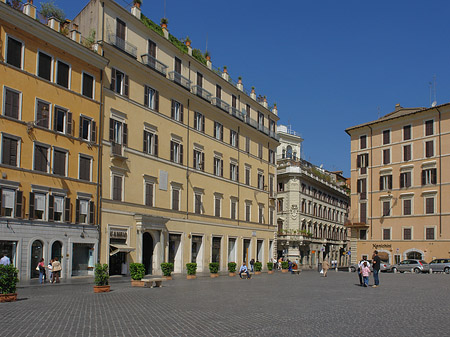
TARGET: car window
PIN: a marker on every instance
(414, 262)
(434, 261)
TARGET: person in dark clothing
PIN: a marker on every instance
(252, 262)
(376, 263)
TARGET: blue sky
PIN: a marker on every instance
(327, 64)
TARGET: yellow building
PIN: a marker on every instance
(50, 107)
(188, 160)
(400, 179)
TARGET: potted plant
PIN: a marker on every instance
(240, 79)
(214, 269)
(137, 3)
(188, 41)
(137, 272)
(191, 270)
(207, 56)
(284, 266)
(231, 269)
(225, 69)
(101, 278)
(164, 22)
(167, 269)
(258, 268)
(270, 267)
(8, 282)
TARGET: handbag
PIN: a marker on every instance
(37, 267)
(321, 271)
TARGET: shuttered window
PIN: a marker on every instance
(429, 176)
(248, 211)
(405, 179)
(429, 205)
(429, 149)
(175, 199)
(407, 152)
(149, 187)
(9, 150)
(407, 234)
(41, 158)
(199, 122)
(363, 213)
(14, 52)
(429, 128)
(407, 207)
(198, 203)
(44, 66)
(407, 132)
(386, 233)
(430, 233)
(386, 208)
(150, 143)
(12, 102)
(386, 137)
(62, 74)
(85, 168)
(117, 188)
(151, 98)
(217, 203)
(386, 156)
(363, 142)
(59, 162)
(88, 85)
(233, 209)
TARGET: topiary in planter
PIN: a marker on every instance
(137, 271)
(214, 267)
(232, 267)
(8, 279)
(284, 265)
(101, 278)
(167, 268)
(258, 266)
(191, 268)
(270, 266)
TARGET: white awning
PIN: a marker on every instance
(120, 248)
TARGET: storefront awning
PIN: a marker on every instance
(120, 248)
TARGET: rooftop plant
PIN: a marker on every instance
(49, 9)
(150, 24)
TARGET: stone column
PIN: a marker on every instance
(139, 235)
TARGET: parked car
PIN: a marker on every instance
(384, 266)
(440, 265)
(417, 266)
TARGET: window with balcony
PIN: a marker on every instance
(199, 121)
(88, 85)
(407, 132)
(386, 137)
(85, 168)
(234, 171)
(88, 129)
(218, 131)
(41, 157)
(63, 74)
(176, 152)
(150, 143)
(429, 176)
(429, 149)
(38, 206)
(386, 182)
(59, 162)
(199, 160)
(234, 138)
(429, 128)
(119, 82)
(12, 104)
(407, 152)
(151, 98)
(218, 167)
(405, 179)
(177, 111)
(10, 150)
(62, 121)
(42, 114)
(44, 69)
(14, 52)
(118, 135)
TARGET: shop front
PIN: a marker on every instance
(119, 250)
(83, 259)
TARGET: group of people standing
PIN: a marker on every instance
(54, 269)
(364, 271)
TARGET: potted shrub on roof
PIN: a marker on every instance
(8, 283)
(207, 56)
(284, 266)
(164, 22)
(191, 270)
(214, 269)
(188, 41)
(258, 267)
(101, 278)
(137, 3)
(270, 267)
(167, 269)
(137, 272)
(231, 269)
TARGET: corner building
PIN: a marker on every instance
(400, 180)
(188, 157)
(50, 112)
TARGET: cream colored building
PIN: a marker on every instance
(188, 160)
(399, 180)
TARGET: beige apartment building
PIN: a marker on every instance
(188, 159)
(400, 185)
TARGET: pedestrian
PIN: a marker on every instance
(376, 263)
(365, 271)
(50, 274)
(252, 262)
(5, 260)
(41, 268)
(275, 264)
(325, 267)
(360, 264)
(56, 270)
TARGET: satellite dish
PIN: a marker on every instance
(433, 104)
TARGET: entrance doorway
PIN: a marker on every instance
(414, 255)
(37, 252)
(246, 251)
(175, 252)
(197, 251)
(147, 252)
(57, 250)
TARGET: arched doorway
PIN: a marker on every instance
(37, 252)
(414, 255)
(147, 252)
(57, 250)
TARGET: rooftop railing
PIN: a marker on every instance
(122, 44)
(199, 91)
(153, 63)
(180, 79)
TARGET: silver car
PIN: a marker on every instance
(384, 266)
(440, 265)
(412, 265)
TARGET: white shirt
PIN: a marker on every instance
(5, 260)
(361, 263)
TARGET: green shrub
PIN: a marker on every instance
(191, 268)
(270, 265)
(232, 267)
(150, 24)
(284, 265)
(49, 9)
(167, 268)
(258, 266)
(8, 279)
(101, 274)
(137, 271)
(214, 267)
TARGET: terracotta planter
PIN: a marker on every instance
(163, 25)
(137, 283)
(270, 272)
(284, 270)
(188, 43)
(257, 273)
(214, 275)
(168, 278)
(208, 58)
(8, 297)
(231, 274)
(191, 277)
(101, 289)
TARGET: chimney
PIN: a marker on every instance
(29, 9)
(225, 75)
(54, 24)
(75, 35)
(274, 109)
(398, 107)
(253, 94)
(264, 103)
(136, 10)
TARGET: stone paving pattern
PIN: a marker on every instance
(267, 305)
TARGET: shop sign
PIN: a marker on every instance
(118, 234)
(384, 245)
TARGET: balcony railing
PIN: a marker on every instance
(116, 149)
(153, 63)
(263, 128)
(250, 121)
(221, 104)
(122, 44)
(236, 113)
(180, 79)
(199, 91)
(274, 135)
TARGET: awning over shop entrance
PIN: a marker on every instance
(120, 248)
(383, 256)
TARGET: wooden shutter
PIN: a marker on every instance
(156, 100)
(215, 129)
(145, 142)
(94, 132)
(31, 206)
(55, 119)
(125, 134)
(433, 176)
(237, 172)
(126, 83)
(214, 166)
(51, 203)
(152, 48)
(221, 167)
(402, 180)
(77, 211)
(172, 115)
(113, 79)
(390, 182)
(111, 129)
(181, 113)
(80, 128)
(145, 95)
(381, 183)
(202, 166)
(91, 212)
(181, 153)
(358, 186)
(155, 143)
(195, 159)
(19, 203)
(231, 137)
(171, 150)
(203, 123)
(69, 123)
(221, 133)
(424, 177)
(67, 210)
(231, 171)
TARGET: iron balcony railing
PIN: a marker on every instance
(153, 63)
(199, 91)
(180, 79)
(250, 121)
(122, 44)
(274, 135)
(236, 113)
(263, 129)
(221, 104)
(116, 149)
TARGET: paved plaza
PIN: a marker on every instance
(267, 305)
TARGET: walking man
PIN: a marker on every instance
(376, 268)
(325, 267)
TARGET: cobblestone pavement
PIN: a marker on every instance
(267, 305)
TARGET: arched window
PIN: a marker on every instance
(289, 152)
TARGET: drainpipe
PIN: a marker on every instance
(371, 182)
(188, 150)
(440, 175)
(99, 163)
(239, 164)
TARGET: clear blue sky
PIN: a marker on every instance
(327, 64)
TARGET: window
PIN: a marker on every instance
(218, 167)
(247, 175)
(117, 183)
(361, 188)
(11, 202)
(429, 176)
(407, 132)
(280, 204)
(385, 182)
(149, 190)
(429, 205)
(118, 135)
(85, 168)
(59, 162)
(175, 199)
(218, 131)
(233, 209)
(199, 160)
(429, 149)
(84, 211)
(199, 79)
(217, 206)
(386, 208)
(407, 209)
(44, 66)
(197, 203)
(260, 120)
(261, 180)
(38, 205)
(41, 161)
(386, 156)
(271, 213)
(56, 208)
(407, 152)
(271, 156)
(234, 172)
(150, 143)
(177, 111)
(247, 144)
(233, 101)
(12, 103)
(248, 211)
(176, 152)
(62, 74)
(42, 114)
(261, 213)
(386, 233)
(363, 234)
(218, 91)
(199, 122)
(363, 142)
(88, 85)
(407, 235)
(430, 233)
(62, 121)
(405, 179)
(260, 151)
(88, 129)
(151, 98)
(429, 128)
(14, 52)
(363, 212)
(10, 150)
(386, 137)
(362, 161)
(119, 82)
(234, 140)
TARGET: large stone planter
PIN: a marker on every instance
(231, 274)
(270, 272)
(257, 273)
(138, 283)
(284, 270)
(168, 278)
(214, 275)
(101, 289)
(8, 297)
(191, 277)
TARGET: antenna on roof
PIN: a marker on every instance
(379, 112)
(206, 49)
(433, 91)
(165, 8)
